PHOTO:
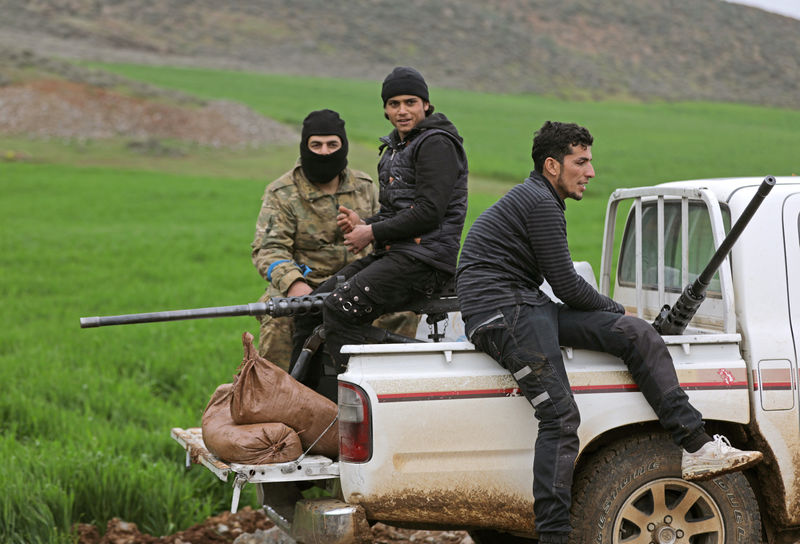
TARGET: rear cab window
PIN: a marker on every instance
(701, 247)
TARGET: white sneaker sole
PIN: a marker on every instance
(712, 470)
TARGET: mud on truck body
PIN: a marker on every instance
(436, 434)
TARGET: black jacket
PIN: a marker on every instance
(423, 193)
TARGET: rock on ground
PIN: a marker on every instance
(247, 526)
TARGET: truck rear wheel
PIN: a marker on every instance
(632, 492)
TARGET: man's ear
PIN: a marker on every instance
(552, 166)
(426, 106)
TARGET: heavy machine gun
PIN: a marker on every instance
(674, 320)
(436, 307)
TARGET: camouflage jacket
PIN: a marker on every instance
(296, 233)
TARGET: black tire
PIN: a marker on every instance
(631, 492)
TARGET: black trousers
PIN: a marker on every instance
(526, 340)
(374, 285)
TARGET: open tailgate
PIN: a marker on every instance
(306, 467)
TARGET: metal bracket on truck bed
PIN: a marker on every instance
(310, 467)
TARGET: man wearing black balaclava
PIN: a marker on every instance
(417, 233)
(323, 149)
(297, 243)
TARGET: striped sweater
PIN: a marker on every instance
(513, 246)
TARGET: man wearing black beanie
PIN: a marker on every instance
(417, 232)
(297, 243)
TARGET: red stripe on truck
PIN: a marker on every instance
(514, 391)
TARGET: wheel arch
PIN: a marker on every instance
(741, 435)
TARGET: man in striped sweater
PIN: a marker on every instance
(512, 247)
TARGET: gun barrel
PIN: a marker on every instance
(276, 307)
(704, 279)
(675, 320)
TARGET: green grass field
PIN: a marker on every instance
(635, 144)
(91, 229)
(85, 415)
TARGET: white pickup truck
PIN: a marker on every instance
(430, 433)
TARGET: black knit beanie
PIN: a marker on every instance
(404, 80)
(323, 123)
(323, 168)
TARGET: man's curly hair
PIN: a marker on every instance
(555, 140)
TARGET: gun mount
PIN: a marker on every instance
(674, 320)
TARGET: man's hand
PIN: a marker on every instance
(298, 288)
(348, 219)
(359, 238)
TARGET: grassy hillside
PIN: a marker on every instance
(635, 144)
(640, 49)
(497, 128)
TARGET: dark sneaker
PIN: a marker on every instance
(715, 458)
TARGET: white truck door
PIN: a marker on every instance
(791, 232)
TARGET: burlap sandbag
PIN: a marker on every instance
(254, 444)
(263, 392)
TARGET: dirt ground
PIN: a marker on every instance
(226, 528)
(60, 109)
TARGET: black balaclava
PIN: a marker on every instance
(321, 169)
